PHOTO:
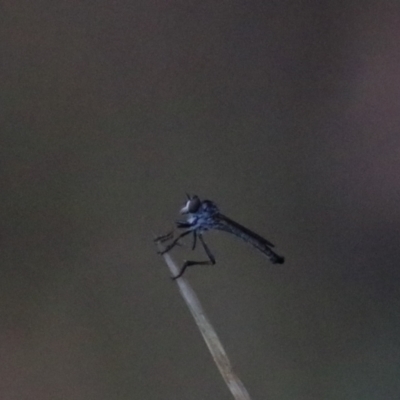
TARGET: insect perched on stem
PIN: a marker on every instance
(204, 215)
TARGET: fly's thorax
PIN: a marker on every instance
(192, 219)
(209, 207)
(200, 214)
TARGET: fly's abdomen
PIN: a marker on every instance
(250, 237)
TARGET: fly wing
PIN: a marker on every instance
(227, 225)
(237, 229)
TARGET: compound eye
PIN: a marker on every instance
(191, 206)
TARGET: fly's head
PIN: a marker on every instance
(195, 206)
(192, 205)
(199, 214)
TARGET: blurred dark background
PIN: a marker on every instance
(286, 114)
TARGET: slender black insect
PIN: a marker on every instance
(202, 216)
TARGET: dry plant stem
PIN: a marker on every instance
(218, 353)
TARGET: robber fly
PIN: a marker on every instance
(204, 215)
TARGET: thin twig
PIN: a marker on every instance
(218, 353)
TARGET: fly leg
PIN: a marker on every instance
(194, 240)
(189, 263)
(164, 238)
(174, 242)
